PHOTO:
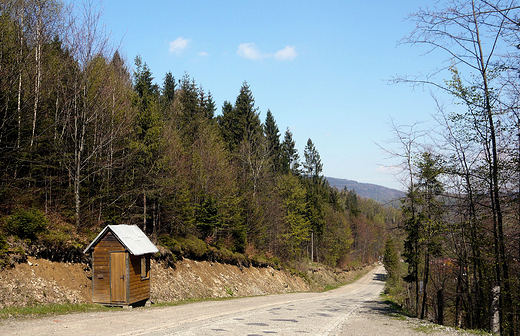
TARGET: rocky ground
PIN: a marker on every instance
(40, 281)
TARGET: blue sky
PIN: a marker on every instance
(320, 67)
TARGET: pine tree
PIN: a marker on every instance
(147, 144)
(272, 135)
(227, 128)
(247, 114)
(391, 262)
(169, 87)
(312, 164)
(290, 159)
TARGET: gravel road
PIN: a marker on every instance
(354, 309)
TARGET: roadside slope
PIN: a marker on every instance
(40, 281)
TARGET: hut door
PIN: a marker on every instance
(118, 276)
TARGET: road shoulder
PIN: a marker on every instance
(377, 317)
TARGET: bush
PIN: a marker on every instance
(194, 247)
(171, 244)
(59, 242)
(26, 224)
(4, 251)
(190, 247)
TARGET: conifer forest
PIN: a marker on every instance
(88, 139)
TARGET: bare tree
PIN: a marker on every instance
(472, 34)
(92, 123)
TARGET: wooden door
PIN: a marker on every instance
(118, 277)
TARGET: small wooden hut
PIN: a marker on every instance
(121, 266)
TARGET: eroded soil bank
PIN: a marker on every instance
(40, 281)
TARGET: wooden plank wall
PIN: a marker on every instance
(139, 288)
(101, 267)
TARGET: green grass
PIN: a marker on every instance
(229, 291)
(398, 316)
(428, 328)
(52, 309)
(330, 287)
(474, 331)
(193, 300)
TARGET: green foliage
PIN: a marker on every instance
(351, 202)
(312, 164)
(290, 159)
(272, 135)
(168, 90)
(50, 310)
(392, 265)
(27, 224)
(4, 251)
(206, 216)
(295, 204)
(173, 245)
(337, 237)
(229, 291)
(194, 247)
(240, 122)
(143, 81)
(61, 242)
(109, 146)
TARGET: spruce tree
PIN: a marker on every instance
(272, 135)
(169, 86)
(312, 164)
(290, 159)
(248, 117)
(391, 262)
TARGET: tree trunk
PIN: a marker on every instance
(458, 301)
(502, 266)
(416, 270)
(77, 176)
(144, 211)
(425, 285)
(38, 56)
(19, 110)
(312, 245)
(440, 307)
(495, 324)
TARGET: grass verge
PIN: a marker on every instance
(49, 310)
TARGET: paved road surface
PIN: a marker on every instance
(289, 314)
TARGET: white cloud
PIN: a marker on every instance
(286, 54)
(250, 51)
(203, 54)
(389, 169)
(177, 46)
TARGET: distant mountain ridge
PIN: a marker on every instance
(376, 192)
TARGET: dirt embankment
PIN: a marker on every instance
(40, 281)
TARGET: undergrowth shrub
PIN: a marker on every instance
(60, 242)
(194, 247)
(27, 224)
(4, 251)
(170, 243)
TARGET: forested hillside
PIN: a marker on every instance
(87, 139)
(462, 209)
(376, 192)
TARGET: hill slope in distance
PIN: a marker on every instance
(376, 192)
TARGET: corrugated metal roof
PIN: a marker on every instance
(132, 238)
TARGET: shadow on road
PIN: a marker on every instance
(380, 277)
(381, 307)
